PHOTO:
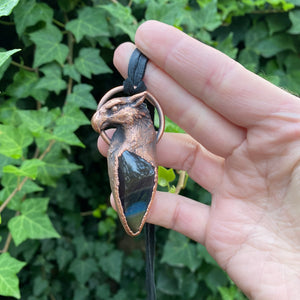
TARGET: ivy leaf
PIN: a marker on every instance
(275, 44)
(28, 13)
(83, 246)
(165, 176)
(216, 277)
(48, 46)
(208, 15)
(53, 169)
(14, 140)
(249, 59)
(167, 284)
(35, 120)
(70, 70)
(122, 18)
(63, 257)
(256, 34)
(81, 292)
(5, 55)
(226, 46)
(230, 293)
(111, 264)
(33, 223)
(9, 282)
(292, 64)
(72, 118)
(82, 97)
(24, 85)
(9, 112)
(52, 80)
(39, 286)
(64, 134)
(90, 62)
(28, 168)
(10, 182)
(83, 269)
(170, 126)
(5, 160)
(90, 22)
(277, 22)
(203, 253)
(166, 11)
(295, 19)
(180, 252)
(6, 7)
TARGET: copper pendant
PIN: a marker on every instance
(132, 162)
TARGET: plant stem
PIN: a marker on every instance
(180, 183)
(7, 243)
(13, 193)
(8, 239)
(58, 23)
(23, 67)
(7, 23)
(41, 157)
(19, 186)
(86, 213)
(70, 57)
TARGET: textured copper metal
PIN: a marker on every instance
(149, 97)
(133, 144)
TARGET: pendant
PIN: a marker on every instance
(131, 157)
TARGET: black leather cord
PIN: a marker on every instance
(136, 69)
(133, 85)
(150, 255)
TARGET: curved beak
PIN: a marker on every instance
(97, 122)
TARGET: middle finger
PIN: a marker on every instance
(213, 131)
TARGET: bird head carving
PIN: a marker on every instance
(122, 111)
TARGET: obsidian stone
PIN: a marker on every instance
(136, 182)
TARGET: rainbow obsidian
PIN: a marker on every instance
(136, 182)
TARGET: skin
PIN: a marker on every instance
(243, 146)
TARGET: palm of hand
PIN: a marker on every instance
(253, 229)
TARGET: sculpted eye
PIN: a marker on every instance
(114, 108)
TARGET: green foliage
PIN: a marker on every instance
(165, 177)
(33, 222)
(90, 22)
(9, 266)
(6, 7)
(55, 60)
(5, 55)
(89, 62)
(179, 252)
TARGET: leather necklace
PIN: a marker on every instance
(131, 158)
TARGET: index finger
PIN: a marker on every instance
(223, 84)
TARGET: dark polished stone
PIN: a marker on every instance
(136, 181)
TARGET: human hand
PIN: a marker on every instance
(243, 147)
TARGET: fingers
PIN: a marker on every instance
(180, 151)
(223, 84)
(184, 215)
(179, 213)
(215, 133)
